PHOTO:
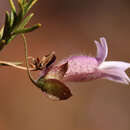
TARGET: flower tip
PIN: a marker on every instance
(3, 41)
(103, 40)
(39, 25)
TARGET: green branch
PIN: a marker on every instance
(15, 21)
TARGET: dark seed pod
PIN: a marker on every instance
(54, 89)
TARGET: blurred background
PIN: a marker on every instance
(69, 27)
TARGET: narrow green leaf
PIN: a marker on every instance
(29, 5)
(26, 30)
(2, 43)
(25, 21)
(7, 25)
(12, 6)
(11, 18)
(24, 2)
(21, 2)
(21, 8)
(10, 39)
(1, 32)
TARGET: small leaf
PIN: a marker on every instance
(2, 43)
(25, 21)
(24, 2)
(1, 32)
(10, 39)
(12, 6)
(26, 30)
(21, 8)
(11, 18)
(7, 25)
(21, 2)
(29, 5)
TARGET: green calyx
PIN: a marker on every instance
(54, 88)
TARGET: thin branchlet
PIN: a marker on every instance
(26, 59)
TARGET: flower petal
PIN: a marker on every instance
(116, 75)
(102, 50)
(115, 70)
(115, 64)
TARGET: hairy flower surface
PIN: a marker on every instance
(84, 68)
(81, 68)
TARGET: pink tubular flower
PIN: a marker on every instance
(84, 68)
(78, 69)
